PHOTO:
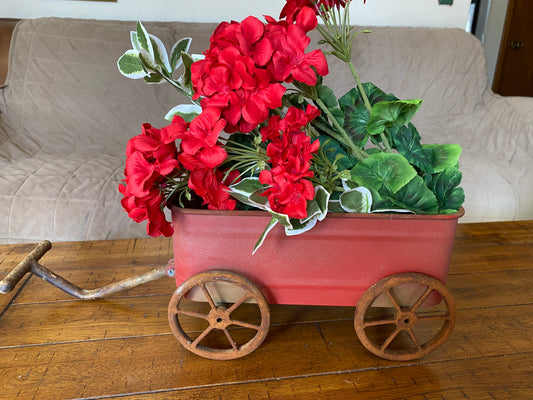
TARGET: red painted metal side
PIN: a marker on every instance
(333, 264)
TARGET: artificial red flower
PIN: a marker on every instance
(147, 208)
(286, 196)
(201, 140)
(213, 188)
(293, 7)
(289, 60)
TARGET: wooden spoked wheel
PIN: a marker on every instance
(228, 318)
(405, 316)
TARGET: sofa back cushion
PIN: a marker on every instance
(66, 93)
(444, 67)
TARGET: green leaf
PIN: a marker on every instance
(391, 113)
(389, 170)
(417, 197)
(444, 185)
(160, 54)
(443, 156)
(407, 141)
(327, 95)
(181, 46)
(187, 111)
(335, 152)
(131, 66)
(358, 200)
(356, 119)
(143, 39)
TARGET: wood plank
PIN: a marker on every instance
(505, 377)
(157, 362)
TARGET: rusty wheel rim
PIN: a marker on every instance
(218, 316)
(431, 304)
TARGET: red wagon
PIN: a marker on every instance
(392, 268)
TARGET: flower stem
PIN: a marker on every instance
(343, 137)
(362, 92)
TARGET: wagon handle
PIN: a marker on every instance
(30, 264)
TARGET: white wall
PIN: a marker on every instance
(493, 34)
(375, 12)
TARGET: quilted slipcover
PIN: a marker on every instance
(67, 114)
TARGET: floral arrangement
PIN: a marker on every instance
(264, 132)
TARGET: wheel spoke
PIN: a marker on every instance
(208, 296)
(192, 314)
(390, 339)
(230, 339)
(246, 325)
(394, 300)
(422, 298)
(202, 336)
(433, 317)
(413, 338)
(239, 302)
(378, 322)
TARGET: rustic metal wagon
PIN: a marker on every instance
(391, 267)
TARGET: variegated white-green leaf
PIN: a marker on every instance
(318, 207)
(358, 200)
(181, 46)
(187, 111)
(393, 210)
(263, 236)
(148, 61)
(160, 54)
(246, 192)
(131, 66)
(143, 39)
(299, 227)
(135, 41)
(153, 78)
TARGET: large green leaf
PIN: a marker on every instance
(444, 185)
(407, 141)
(443, 156)
(356, 119)
(391, 113)
(388, 170)
(417, 197)
(131, 66)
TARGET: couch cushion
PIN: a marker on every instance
(70, 197)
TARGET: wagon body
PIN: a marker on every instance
(333, 264)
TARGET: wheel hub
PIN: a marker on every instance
(406, 319)
(219, 318)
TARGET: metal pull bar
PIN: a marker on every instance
(30, 264)
(9, 282)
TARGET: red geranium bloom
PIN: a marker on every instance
(286, 196)
(201, 140)
(293, 7)
(290, 60)
(210, 185)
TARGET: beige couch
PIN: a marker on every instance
(67, 113)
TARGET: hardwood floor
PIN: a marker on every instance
(55, 347)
